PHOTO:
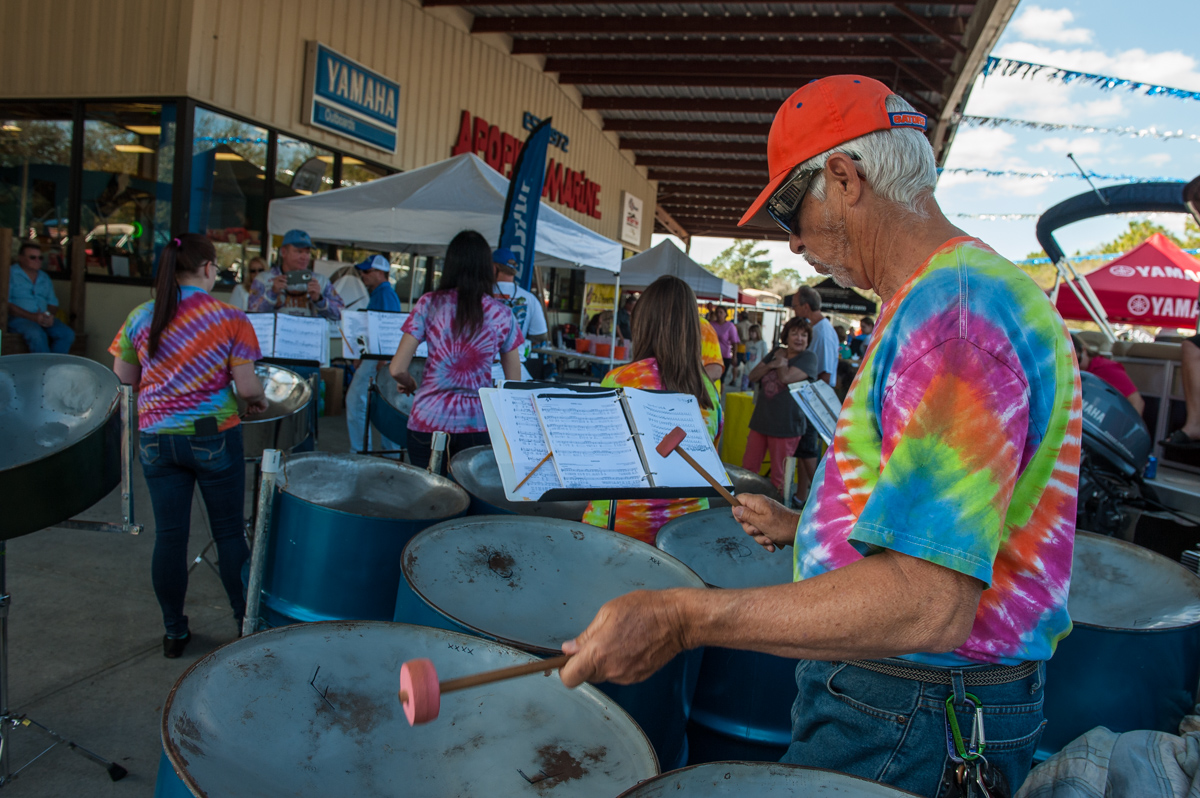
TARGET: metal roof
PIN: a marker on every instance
(691, 88)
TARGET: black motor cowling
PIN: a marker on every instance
(1113, 431)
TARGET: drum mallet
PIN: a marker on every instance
(671, 442)
(421, 692)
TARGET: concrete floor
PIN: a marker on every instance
(85, 645)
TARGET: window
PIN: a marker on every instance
(301, 168)
(228, 202)
(125, 202)
(356, 172)
(35, 176)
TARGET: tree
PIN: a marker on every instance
(784, 282)
(744, 264)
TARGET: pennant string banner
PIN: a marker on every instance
(1011, 67)
(1048, 174)
(1052, 127)
(1082, 258)
(1008, 217)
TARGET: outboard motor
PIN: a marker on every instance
(1116, 447)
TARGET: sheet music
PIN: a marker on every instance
(814, 409)
(591, 440)
(524, 441)
(301, 338)
(264, 328)
(828, 398)
(384, 331)
(354, 333)
(656, 414)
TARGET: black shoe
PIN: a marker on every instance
(173, 646)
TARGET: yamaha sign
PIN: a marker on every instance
(344, 97)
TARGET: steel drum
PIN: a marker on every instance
(60, 439)
(340, 523)
(1132, 660)
(312, 710)
(287, 422)
(390, 416)
(746, 481)
(743, 703)
(761, 781)
(534, 583)
(476, 470)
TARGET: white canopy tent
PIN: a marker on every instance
(666, 258)
(420, 211)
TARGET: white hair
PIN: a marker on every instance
(897, 162)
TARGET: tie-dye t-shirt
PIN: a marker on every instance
(642, 518)
(458, 364)
(710, 345)
(188, 378)
(958, 443)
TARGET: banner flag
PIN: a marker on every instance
(519, 228)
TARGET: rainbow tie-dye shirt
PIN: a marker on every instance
(958, 443)
(188, 378)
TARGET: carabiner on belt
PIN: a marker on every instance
(960, 751)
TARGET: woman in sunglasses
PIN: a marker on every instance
(241, 292)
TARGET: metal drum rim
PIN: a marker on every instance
(464, 455)
(595, 693)
(389, 463)
(632, 791)
(478, 520)
(302, 408)
(1145, 554)
(102, 372)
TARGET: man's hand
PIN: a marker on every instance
(314, 290)
(279, 284)
(45, 319)
(406, 382)
(630, 638)
(767, 521)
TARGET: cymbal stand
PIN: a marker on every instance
(10, 722)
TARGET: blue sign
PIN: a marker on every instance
(346, 98)
(519, 228)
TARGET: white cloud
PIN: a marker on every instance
(1158, 159)
(1045, 24)
(1061, 146)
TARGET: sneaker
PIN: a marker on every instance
(173, 646)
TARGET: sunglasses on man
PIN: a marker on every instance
(784, 204)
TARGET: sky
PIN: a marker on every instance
(1152, 41)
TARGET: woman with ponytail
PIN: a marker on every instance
(465, 328)
(666, 357)
(183, 352)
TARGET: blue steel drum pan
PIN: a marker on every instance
(390, 416)
(761, 781)
(476, 470)
(1132, 660)
(534, 583)
(744, 697)
(313, 710)
(60, 439)
(340, 524)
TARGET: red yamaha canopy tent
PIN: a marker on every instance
(1154, 284)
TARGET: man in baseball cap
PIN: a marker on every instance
(933, 556)
(270, 291)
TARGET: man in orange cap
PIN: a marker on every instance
(932, 560)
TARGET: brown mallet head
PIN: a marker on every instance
(420, 692)
(670, 441)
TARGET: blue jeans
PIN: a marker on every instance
(56, 338)
(893, 730)
(173, 464)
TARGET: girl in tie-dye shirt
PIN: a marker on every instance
(958, 443)
(666, 354)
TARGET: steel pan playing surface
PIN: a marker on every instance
(760, 781)
(476, 470)
(313, 710)
(60, 438)
(287, 420)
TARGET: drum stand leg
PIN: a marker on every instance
(200, 558)
(262, 526)
(10, 722)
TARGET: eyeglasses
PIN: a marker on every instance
(33, 257)
(784, 204)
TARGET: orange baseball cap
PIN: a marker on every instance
(819, 117)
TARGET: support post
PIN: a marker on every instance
(78, 283)
(6, 237)
(128, 418)
(789, 481)
(612, 339)
(262, 528)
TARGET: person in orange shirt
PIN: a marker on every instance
(710, 352)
